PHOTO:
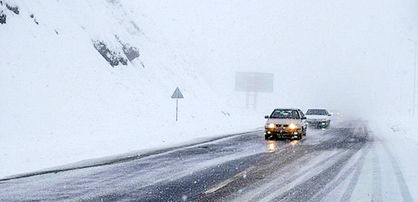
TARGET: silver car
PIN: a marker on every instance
(285, 123)
(318, 118)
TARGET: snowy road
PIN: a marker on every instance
(345, 162)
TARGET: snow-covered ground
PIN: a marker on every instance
(62, 102)
(399, 142)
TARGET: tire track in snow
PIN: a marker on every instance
(377, 179)
(356, 167)
(277, 161)
(355, 178)
(308, 189)
(353, 182)
(406, 195)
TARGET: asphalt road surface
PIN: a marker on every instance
(341, 163)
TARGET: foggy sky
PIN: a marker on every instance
(353, 56)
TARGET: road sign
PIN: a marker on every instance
(177, 95)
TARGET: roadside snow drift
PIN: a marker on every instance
(85, 79)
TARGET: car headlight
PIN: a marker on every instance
(292, 126)
(271, 125)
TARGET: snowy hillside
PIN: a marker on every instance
(85, 79)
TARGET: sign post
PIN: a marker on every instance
(177, 95)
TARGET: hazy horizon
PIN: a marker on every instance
(350, 56)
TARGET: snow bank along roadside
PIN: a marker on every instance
(87, 79)
(125, 157)
(401, 140)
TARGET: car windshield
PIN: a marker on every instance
(285, 114)
(317, 112)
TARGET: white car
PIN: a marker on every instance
(285, 123)
(318, 118)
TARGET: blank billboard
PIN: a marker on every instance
(254, 82)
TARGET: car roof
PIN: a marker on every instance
(286, 109)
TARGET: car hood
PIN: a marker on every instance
(283, 121)
(317, 117)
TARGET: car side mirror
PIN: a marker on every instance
(266, 117)
(303, 118)
(329, 115)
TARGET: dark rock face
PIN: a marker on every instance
(15, 9)
(111, 57)
(123, 61)
(34, 19)
(2, 18)
(130, 52)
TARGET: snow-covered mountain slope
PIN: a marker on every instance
(84, 79)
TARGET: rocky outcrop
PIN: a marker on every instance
(130, 52)
(14, 9)
(112, 57)
(2, 18)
